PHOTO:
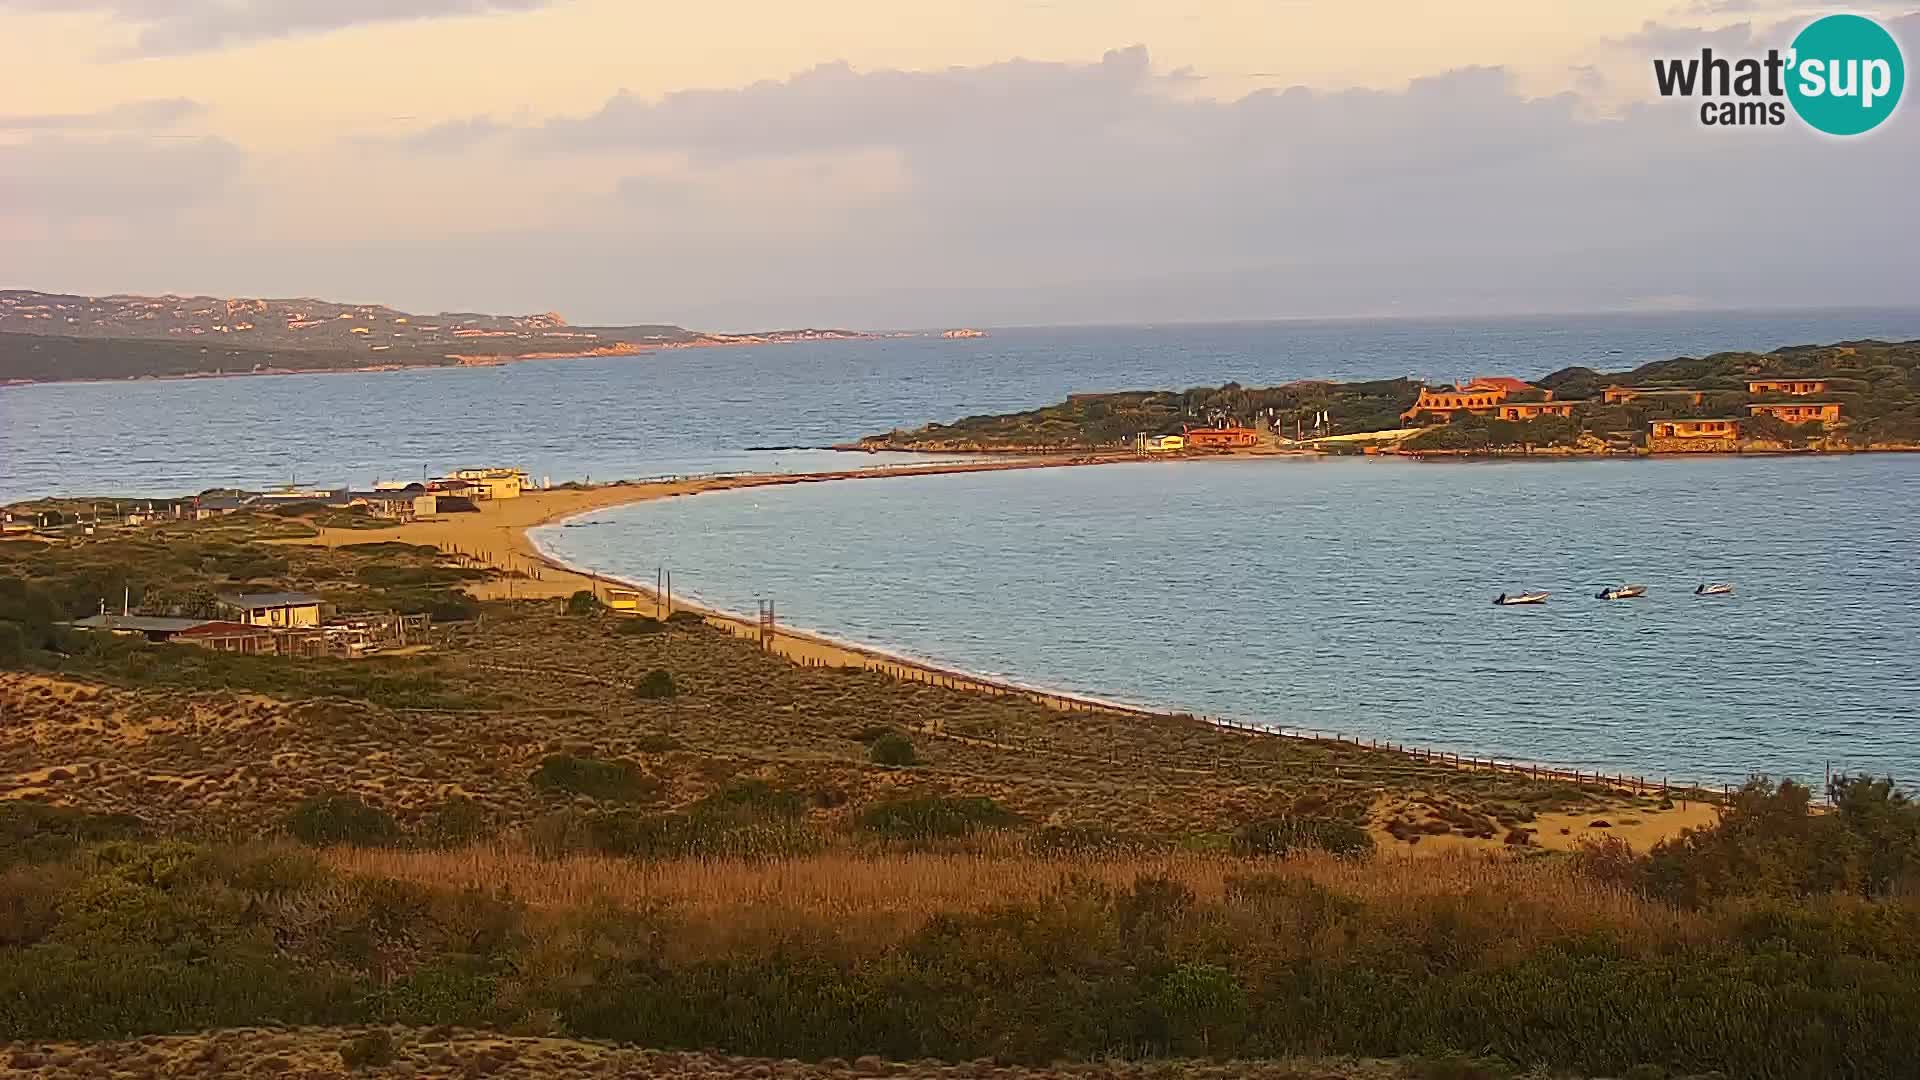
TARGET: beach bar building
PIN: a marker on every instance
(1221, 438)
(1697, 436)
(280, 610)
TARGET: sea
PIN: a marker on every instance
(1348, 596)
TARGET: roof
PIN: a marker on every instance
(222, 502)
(225, 629)
(1697, 420)
(146, 624)
(1791, 378)
(269, 599)
(1503, 382)
(1797, 403)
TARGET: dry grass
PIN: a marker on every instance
(1537, 899)
(215, 759)
(315, 1054)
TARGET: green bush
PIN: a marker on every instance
(370, 1049)
(1287, 834)
(456, 822)
(892, 748)
(32, 832)
(935, 817)
(341, 818)
(13, 644)
(654, 685)
(637, 625)
(616, 781)
(583, 603)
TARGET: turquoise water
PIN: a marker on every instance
(1353, 596)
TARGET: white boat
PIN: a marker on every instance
(1713, 589)
(1503, 600)
(1623, 592)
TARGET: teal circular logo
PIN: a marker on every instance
(1845, 74)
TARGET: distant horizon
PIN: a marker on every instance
(937, 327)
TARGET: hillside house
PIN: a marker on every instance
(1792, 387)
(1620, 395)
(1529, 410)
(1708, 435)
(1798, 412)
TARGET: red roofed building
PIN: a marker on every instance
(1506, 384)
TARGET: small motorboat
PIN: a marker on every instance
(1623, 592)
(1719, 588)
(1503, 600)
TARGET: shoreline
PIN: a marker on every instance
(500, 536)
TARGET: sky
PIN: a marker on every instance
(749, 164)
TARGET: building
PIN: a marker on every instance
(281, 610)
(213, 506)
(1221, 438)
(402, 504)
(151, 627)
(1620, 395)
(1798, 412)
(1792, 387)
(495, 483)
(1696, 436)
(1507, 385)
(1696, 429)
(232, 637)
(1528, 410)
(623, 600)
(1444, 402)
(1164, 444)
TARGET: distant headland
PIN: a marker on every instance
(51, 337)
(1849, 396)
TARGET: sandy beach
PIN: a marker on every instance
(497, 536)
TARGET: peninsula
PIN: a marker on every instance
(48, 337)
(1855, 395)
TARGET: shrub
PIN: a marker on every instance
(935, 817)
(371, 1049)
(13, 644)
(341, 818)
(456, 822)
(685, 617)
(892, 749)
(639, 624)
(1286, 834)
(32, 832)
(656, 684)
(618, 781)
(583, 603)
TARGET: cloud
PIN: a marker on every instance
(167, 27)
(1029, 191)
(450, 136)
(120, 177)
(148, 115)
(834, 107)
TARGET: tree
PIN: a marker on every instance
(583, 603)
(892, 748)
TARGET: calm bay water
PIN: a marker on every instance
(699, 410)
(1353, 596)
(1338, 595)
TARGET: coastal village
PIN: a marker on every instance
(1791, 402)
(1845, 397)
(278, 623)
